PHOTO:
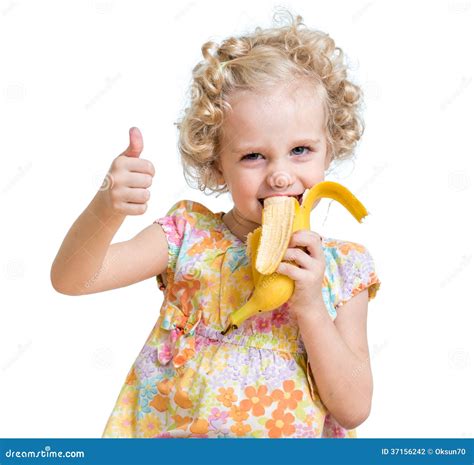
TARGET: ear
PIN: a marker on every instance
(219, 172)
(219, 176)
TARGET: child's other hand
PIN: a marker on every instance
(125, 186)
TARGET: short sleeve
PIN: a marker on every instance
(174, 226)
(352, 271)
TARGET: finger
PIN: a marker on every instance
(136, 195)
(138, 165)
(311, 240)
(292, 271)
(135, 147)
(134, 179)
(135, 208)
(298, 257)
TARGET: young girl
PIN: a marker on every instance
(269, 112)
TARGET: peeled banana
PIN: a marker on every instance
(277, 224)
(266, 245)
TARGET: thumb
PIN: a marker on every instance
(136, 143)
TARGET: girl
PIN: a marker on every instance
(269, 112)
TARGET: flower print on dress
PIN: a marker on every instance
(148, 354)
(218, 415)
(278, 370)
(227, 396)
(145, 364)
(257, 400)
(289, 396)
(238, 258)
(191, 270)
(281, 424)
(145, 370)
(149, 426)
(146, 393)
(180, 320)
(174, 227)
(218, 420)
(236, 373)
(148, 390)
(280, 316)
(218, 379)
(263, 323)
(304, 431)
(238, 358)
(165, 354)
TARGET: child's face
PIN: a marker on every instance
(262, 150)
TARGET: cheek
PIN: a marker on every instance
(317, 173)
(310, 181)
(244, 185)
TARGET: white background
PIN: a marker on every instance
(77, 75)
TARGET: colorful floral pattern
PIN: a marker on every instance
(191, 381)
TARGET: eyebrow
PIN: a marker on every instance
(256, 148)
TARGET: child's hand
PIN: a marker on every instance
(306, 269)
(125, 186)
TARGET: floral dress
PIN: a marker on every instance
(191, 381)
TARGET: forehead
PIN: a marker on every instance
(286, 108)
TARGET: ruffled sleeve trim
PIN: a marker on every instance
(174, 225)
(372, 286)
(350, 271)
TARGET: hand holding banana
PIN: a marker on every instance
(305, 269)
(267, 246)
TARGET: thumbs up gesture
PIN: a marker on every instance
(129, 178)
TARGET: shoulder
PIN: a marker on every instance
(184, 224)
(341, 249)
(350, 269)
(187, 212)
(189, 207)
(347, 256)
(188, 218)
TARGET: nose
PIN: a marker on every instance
(280, 180)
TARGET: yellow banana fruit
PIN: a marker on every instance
(281, 217)
(277, 224)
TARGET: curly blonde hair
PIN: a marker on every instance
(255, 61)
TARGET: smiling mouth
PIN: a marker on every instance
(298, 197)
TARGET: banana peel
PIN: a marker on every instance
(282, 216)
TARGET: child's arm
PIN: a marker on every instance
(86, 262)
(339, 358)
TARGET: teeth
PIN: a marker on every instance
(298, 197)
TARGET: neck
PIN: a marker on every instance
(238, 224)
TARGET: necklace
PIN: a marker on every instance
(245, 226)
(235, 219)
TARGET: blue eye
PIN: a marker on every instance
(302, 147)
(245, 157)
